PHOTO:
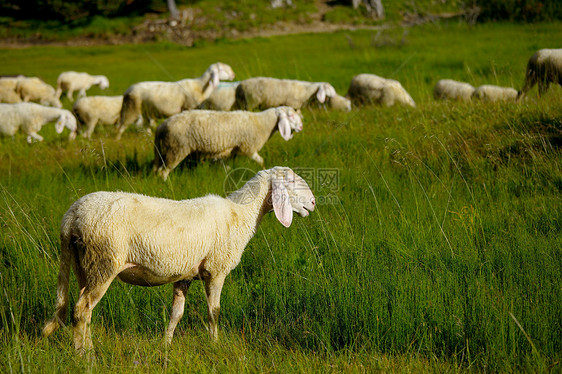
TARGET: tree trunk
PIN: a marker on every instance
(375, 8)
(173, 8)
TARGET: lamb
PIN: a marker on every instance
(150, 241)
(30, 117)
(92, 110)
(544, 67)
(35, 90)
(164, 99)
(218, 134)
(372, 89)
(494, 93)
(71, 81)
(264, 93)
(448, 89)
(222, 98)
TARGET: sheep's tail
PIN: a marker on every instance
(66, 258)
(58, 92)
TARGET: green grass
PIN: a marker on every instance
(439, 249)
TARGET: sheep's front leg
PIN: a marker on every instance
(34, 136)
(69, 95)
(213, 288)
(82, 93)
(178, 304)
(543, 87)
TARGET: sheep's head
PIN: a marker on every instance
(338, 102)
(51, 101)
(66, 119)
(325, 90)
(220, 71)
(102, 81)
(288, 119)
(289, 193)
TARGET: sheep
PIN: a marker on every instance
(150, 241)
(264, 93)
(448, 89)
(35, 90)
(164, 99)
(92, 110)
(544, 67)
(222, 98)
(494, 93)
(8, 95)
(218, 134)
(372, 89)
(30, 117)
(71, 81)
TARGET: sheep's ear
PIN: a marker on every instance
(215, 78)
(281, 205)
(321, 94)
(284, 126)
(59, 126)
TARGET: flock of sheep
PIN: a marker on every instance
(151, 241)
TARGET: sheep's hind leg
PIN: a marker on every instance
(88, 299)
(257, 158)
(213, 288)
(178, 304)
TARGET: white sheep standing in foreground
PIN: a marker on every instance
(218, 134)
(151, 241)
(164, 99)
(30, 117)
(92, 110)
(264, 93)
(222, 98)
(449, 89)
(544, 67)
(71, 81)
(372, 89)
(491, 93)
(35, 90)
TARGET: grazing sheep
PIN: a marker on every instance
(151, 241)
(35, 90)
(92, 110)
(544, 67)
(448, 89)
(218, 134)
(264, 93)
(372, 89)
(10, 81)
(8, 95)
(494, 93)
(164, 99)
(30, 117)
(71, 81)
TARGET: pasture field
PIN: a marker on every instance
(436, 244)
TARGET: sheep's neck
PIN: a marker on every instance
(254, 198)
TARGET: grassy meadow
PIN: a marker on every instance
(436, 244)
